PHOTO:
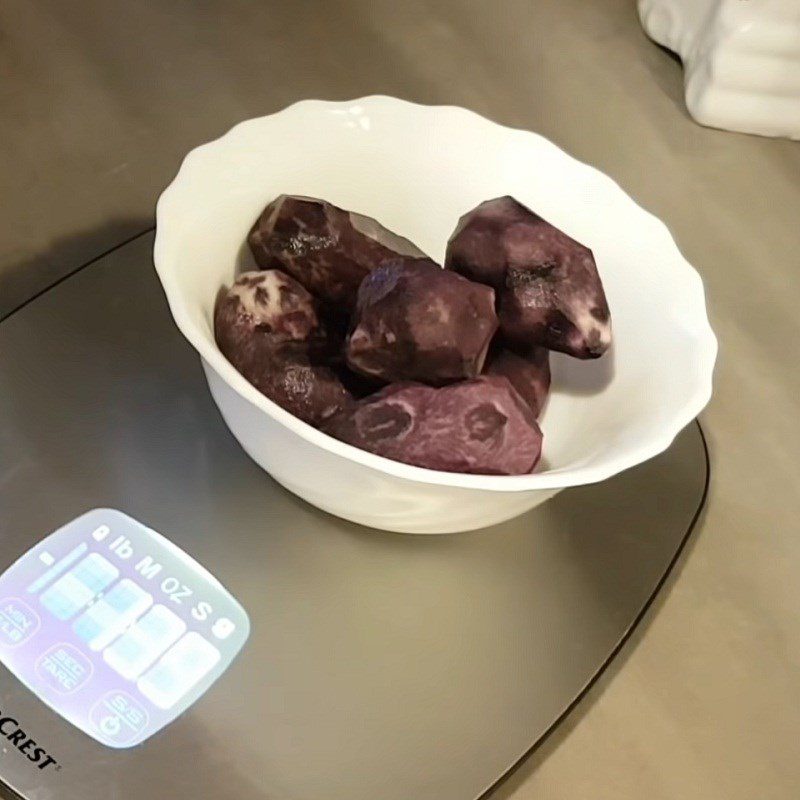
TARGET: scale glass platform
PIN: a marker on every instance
(191, 629)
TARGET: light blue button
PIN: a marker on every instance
(106, 619)
(73, 590)
(123, 596)
(95, 572)
(87, 628)
(144, 642)
(129, 650)
(179, 670)
(66, 597)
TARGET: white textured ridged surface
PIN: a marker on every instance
(741, 60)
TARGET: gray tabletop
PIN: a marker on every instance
(102, 99)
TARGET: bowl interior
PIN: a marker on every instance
(417, 169)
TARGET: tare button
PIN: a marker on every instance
(64, 668)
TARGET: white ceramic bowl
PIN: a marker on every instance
(417, 169)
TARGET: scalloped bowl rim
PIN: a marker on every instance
(171, 200)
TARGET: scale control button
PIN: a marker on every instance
(118, 717)
(223, 628)
(63, 668)
(179, 670)
(144, 642)
(71, 592)
(18, 621)
(106, 619)
(110, 725)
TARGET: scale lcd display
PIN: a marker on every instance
(115, 628)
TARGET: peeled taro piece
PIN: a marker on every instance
(479, 426)
(329, 250)
(529, 374)
(415, 321)
(267, 326)
(549, 291)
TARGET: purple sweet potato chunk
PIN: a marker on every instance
(549, 291)
(479, 426)
(267, 326)
(312, 392)
(358, 385)
(329, 250)
(415, 321)
(528, 374)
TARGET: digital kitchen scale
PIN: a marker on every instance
(175, 624)
(115, 628)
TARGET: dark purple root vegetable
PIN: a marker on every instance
(329, 250)
(479, 426)
(528, 374)
(415, 321)
(267, 326)
(549, 291)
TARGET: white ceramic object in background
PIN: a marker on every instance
(417, 169)
(741, 60)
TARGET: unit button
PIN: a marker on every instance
(118, 717)
(18, 621)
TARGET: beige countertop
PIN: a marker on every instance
(101, 100)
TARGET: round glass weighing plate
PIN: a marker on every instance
(377, 665)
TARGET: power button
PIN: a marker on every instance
(118, 718)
